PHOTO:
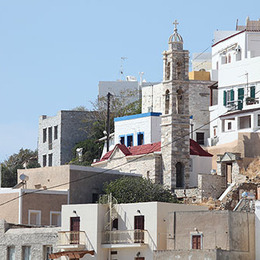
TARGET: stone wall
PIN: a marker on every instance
(211, 185)
(18, 236)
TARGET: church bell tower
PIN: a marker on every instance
(175, 137)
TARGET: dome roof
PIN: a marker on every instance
(175, 37)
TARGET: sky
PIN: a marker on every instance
(53, 53)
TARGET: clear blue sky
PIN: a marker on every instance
(54, 52)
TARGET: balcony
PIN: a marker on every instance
(73, 240)
(125, 238)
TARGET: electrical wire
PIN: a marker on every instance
(106, 170)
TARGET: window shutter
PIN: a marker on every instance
(225, 98)
(240, 97)
(232, 95)
(252, 92)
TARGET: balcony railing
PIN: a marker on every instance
(73, 239)
(125, 237)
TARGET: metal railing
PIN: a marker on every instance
(66, 238)
(125, 237)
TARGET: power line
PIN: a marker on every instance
(107, 170)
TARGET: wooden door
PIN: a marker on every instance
(74, 228)
(196, 242)
(139, 229)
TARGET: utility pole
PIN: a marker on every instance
(108, 118)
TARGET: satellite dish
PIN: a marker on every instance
(24, 177)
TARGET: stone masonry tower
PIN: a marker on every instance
(175, 140)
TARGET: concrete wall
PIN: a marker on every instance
(47, 176)
(70, 131)
(10, 211)
(232, 231)
(17, 237)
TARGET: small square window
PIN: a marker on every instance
(122, 140)
(140, 139)
(34, 217)
(129, 140)
(55, 218)
(200, 138)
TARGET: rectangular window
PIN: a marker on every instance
(252, 92)
(196, 241)
(244, 122)
(55, 218)
(258, 120)
(229, 125)
(200, 138)
(50, 137)
(34, 217)
(26, 252)
(50, 159)
(140, 138)
(122, 139)
(11, 253)
(44, 160)
(129, 140)
(56, 132)
(47, 251)
(44, 135)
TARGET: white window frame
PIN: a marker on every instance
(39, 212)
(56, 213)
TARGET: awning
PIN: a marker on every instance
(71, 254)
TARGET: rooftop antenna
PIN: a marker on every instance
(121, 67)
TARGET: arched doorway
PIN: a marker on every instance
(179, 175)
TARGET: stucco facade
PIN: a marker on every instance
(219, 235)
(32, 207)
(123, 242)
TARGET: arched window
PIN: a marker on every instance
(179, 175)
(167, 101)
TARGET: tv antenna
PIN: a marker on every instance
(122, 67)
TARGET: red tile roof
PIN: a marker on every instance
(195, 149)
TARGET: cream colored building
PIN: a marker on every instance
(119, 231)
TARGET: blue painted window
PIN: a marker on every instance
(122, 139)
(130, 140)
(140, 138)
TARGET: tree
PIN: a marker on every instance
(17, 161)
(137, 189)
(97, 120)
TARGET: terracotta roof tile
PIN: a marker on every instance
(195, 149)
